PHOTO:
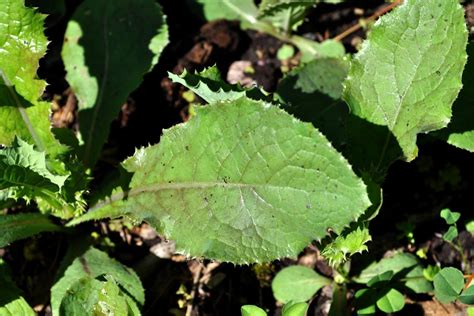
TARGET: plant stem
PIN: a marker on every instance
(373, 17)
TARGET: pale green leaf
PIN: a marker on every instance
(208, 84)
(449, 216)
(242, 10)
(448, 284)
(451, 233)
(11, 301)
(22, 45)
(311, 50)
(20, 226)
(107, 50)
(393, 301)
(252, 310)
(408, 72)
(405, 267)
(297, 284)
(295, 309)
(260, 184)
(91, 265)
(460, 131)
(346, 245)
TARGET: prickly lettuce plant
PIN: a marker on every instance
(251, 177)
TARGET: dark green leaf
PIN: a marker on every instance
(20, 226)
(107, 50)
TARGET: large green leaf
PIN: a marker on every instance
(460, 132)
(108, 48)
(297, 284)
(22, 44)
(20, 226)
(408, 73)
(242, 181)
(89, 266)
(11, 301)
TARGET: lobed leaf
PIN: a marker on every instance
(25, 173)
(241, 181)
(209, 85)
(23, 44)
(104, 67)
(408, 72)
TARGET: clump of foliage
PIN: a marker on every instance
(251, 177)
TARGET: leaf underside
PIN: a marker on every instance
(408, 73)
(242, 181)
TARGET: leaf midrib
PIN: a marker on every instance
(22, 111)
(187, 185)
(98, 104)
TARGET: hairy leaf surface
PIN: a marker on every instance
(107, 50)
(242, 181)
(408, 73)
(22, 45)
(87, 267)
